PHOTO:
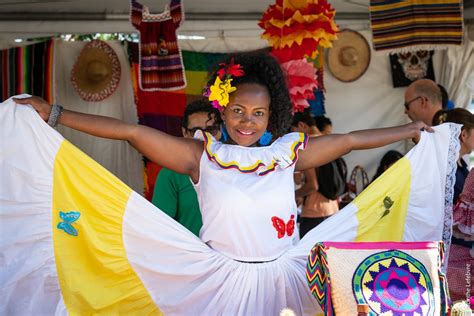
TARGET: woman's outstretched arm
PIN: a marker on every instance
(176, 153)
(323, 149)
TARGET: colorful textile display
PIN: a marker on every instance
(27, 69)
(411, 66)
(153, 106)
(392, 278)
(411, 25)
(161, 65)
(79, 241)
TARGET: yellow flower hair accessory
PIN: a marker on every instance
(219, 92)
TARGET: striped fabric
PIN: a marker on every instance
(27, 69)
(410, 25)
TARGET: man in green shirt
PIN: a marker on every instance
(174, 193)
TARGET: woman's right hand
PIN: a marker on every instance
(417, 127)
(40, 105)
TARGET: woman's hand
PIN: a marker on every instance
(41, 106)
(417, 128)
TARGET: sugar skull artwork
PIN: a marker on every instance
(410, 66)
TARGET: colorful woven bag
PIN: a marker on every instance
(392, 278)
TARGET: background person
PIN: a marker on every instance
(390, 157)
(461, 243)
(423, 99)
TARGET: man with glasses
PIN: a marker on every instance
(174, 193)
(423, 99)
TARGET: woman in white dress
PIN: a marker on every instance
(246, 262)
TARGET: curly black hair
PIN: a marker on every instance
(261, 68)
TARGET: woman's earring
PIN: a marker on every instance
(224, 135)
(265, 139)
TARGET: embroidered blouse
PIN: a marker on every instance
(246, 195)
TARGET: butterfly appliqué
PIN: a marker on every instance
(283, 228)
(68, 219)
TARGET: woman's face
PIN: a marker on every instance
(247, 114)
(467, 141)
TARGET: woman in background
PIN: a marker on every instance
(461, 250)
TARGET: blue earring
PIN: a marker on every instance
(224, 135)
(265, 139)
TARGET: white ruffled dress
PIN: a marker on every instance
(76, 240)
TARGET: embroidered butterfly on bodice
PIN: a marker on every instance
(283, 228)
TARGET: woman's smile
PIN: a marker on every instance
(247, 114)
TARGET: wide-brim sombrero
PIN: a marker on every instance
(96, 72)
(349, 57)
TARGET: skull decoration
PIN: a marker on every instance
(414, 64)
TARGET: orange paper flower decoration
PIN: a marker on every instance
(299, 26)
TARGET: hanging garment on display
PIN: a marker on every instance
(161, 64)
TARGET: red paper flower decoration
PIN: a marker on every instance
(302, 80)
(298, 27)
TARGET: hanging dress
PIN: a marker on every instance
(161, 64)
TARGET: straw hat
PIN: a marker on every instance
(96, 72)
(349, 57)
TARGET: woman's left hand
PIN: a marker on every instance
(40, 105)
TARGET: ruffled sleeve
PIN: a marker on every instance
(282, 153)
